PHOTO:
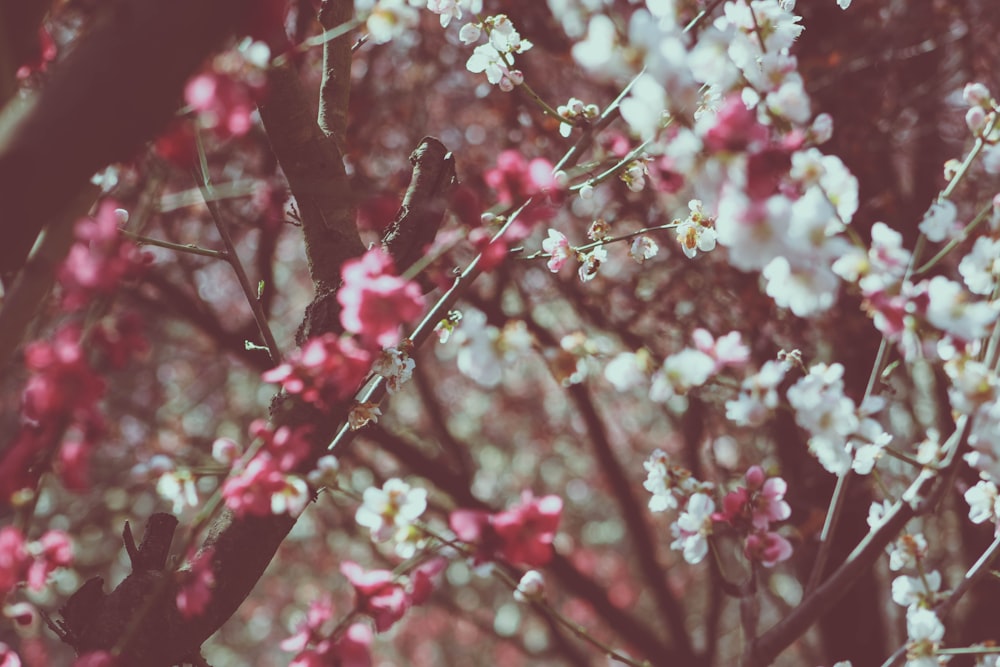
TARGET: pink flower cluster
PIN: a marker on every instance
(752, 509)
(315, 649)
(515, 178)
(324, 371)
(266, 484)
(100, 259)
(22, 560)
(62, 392)
(737, 130)
(521, 535)
(375, 303)
(63, 388)
(380, 595)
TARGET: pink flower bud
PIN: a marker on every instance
(755, 477)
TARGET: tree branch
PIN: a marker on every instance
(117, 88)
(316, 177)
(335, 90)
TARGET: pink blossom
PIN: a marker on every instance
(354, 648)
(62, 385)
(196, 592)
(9, 657)
(325, 371)
(100, 259)
(515, 178)
(53, 550)
(521, 535)
(422, 580)
(36, 57)
(769, 503)
(767, 547)
(13, 558)
(310, 630)
(556, 245)
(262, 489)
(287, 446)
(378, 595)
(728, 350)
(73, 464)
(758, 504)
(492, 250)
(473, 527)
(527, 530)
(375, 301)
(736, 128)
(223, 103)
(31, 562)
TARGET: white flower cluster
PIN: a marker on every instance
(842, 435)
(496, 57)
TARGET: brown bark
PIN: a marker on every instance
(119, 86)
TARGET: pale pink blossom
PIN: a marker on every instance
(768, 548)
(557, 246)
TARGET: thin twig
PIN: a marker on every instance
(205, 183)
(189, 248)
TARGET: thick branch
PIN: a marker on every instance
(335, 91)
(416, 224)
(113, 92)
(424, 203)
(316, 177)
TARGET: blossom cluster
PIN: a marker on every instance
(521, 535)
(61, 420)
(268, 483)
(31, 561)
(100, 259)
(380, 595)
(842, 434)
(680, 372)
(314, 647)
(329, 369)
(918, 594)
(750, 510)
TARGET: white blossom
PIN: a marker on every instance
(692, 528)
(390, 510)
(981, 266)
(938, 220)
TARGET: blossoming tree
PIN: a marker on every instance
(428, 332)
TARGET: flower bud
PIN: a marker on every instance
(531, 586)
